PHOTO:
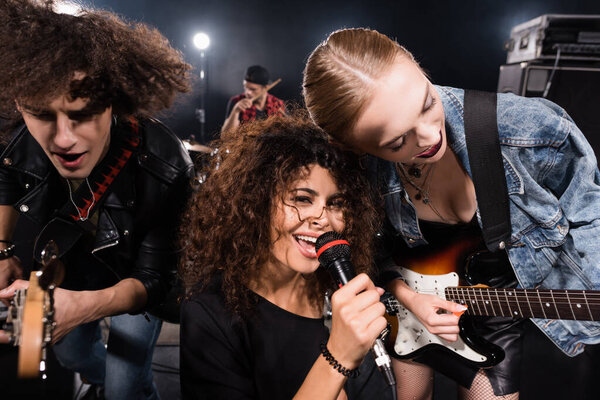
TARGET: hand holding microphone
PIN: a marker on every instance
(357, 312)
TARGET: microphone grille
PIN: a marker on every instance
(335, 251)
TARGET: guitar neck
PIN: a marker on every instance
(581, 305)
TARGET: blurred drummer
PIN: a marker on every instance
(255, 103)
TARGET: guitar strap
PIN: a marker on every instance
(66, 227)
(485, 158)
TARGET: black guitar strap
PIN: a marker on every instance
(67, 226)
(485, 158)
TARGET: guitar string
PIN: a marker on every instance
(566, 307)
(555, 292)
(519, 291)
(562, 299)
(578, 315)
(522, 300)
(544, 296)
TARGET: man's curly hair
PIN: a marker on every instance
(127, 65)
(228, 230)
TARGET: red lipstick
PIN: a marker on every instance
(432, 151)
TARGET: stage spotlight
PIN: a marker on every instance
(201, 41)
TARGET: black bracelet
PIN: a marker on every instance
(350, 373)
(9, 251)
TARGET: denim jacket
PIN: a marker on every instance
(554, 195)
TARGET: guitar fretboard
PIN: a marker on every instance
(528, 303)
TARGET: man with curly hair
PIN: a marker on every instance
(103, 179)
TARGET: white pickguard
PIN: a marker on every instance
(412, 335)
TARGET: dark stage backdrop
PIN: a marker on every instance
(459, 42)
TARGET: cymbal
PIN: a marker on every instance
(192, 145)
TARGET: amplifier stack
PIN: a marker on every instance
(558, 57)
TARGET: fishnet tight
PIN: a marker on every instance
(414, 381)
(481, 389)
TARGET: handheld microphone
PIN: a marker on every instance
(333, 252)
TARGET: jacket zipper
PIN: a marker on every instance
(116, 242)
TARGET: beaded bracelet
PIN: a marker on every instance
(350, 373)
(9, 251)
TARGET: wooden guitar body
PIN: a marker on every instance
(32, 344)
(30, 315)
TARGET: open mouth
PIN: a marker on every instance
(69, 160)
(70, 157)
(432, 151)
(307, 245)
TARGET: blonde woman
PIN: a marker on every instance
(367, 92)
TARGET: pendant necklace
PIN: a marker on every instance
(416, 172)
(423, 189)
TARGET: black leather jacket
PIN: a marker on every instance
(139, 215)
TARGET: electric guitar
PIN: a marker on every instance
(29, 321)
(438, 274)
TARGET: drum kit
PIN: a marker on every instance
(202, 156)
(195, 148)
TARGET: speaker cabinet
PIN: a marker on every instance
(575, 88)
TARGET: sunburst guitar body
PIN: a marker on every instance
(441, 273)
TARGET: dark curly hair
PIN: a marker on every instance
(127, 65)
(229, 219)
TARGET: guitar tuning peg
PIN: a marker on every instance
(53, 270)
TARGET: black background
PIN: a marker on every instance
(459, 42)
